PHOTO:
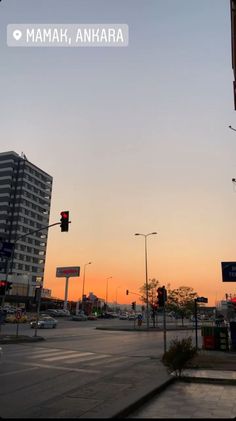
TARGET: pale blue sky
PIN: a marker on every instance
(135, 138)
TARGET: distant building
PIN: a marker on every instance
(25, 199)
(46, 293)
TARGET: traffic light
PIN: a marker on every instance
(127, 292)
(134, 305)
(64, 221)
(8, 286)
(3, 285)
(161, 296)
(37, 294)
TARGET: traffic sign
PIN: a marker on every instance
(18, 314)
(228, 271)
(6, 249)
(202, 300)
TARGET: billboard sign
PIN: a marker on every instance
(68, 272)
(228, 271)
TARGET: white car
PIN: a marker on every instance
(46, 322)
(62, 312)
(123, 316)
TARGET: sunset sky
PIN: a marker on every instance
(136, 139)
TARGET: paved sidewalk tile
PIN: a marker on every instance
(191, 400)
(210, 374)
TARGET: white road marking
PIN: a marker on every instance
(52, 354)
(55, 367)
(86, 359)
(63, 357)
(111, 361)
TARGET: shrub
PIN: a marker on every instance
(12, 319)
(178, 355)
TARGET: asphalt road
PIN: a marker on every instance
(36, 378)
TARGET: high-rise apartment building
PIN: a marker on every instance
(25, 199)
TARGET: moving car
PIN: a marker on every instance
(46, 322)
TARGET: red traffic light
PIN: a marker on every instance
(64, 221)
(3, 283)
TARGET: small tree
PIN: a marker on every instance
(153, 284)
(178, 354)
(181, 301)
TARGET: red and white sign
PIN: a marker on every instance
(18, 314)
(68, 272)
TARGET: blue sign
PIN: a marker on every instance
(228, 271)
(6, 249)
(202, 300)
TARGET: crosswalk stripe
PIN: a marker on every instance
(108, 362)
(31, 351)
(86, 359)
(63, 357)
(50, 354)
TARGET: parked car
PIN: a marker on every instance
(92, 317)
(52, 312)
(108, 315)
(8, 309)
(46, 322)
(192, 318)
(59, 312)
(123, 316)
(80, 318)
(63, 312)
(132, 317)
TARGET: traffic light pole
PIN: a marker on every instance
(6, 280)
(38, 310)
(195, 315)
(164, 326)
(11, 257)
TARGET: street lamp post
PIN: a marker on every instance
(146, 271)
(107, 291)
(89, 263)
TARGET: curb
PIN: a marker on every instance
(189, 379)
(13, 339)
(144, 399)
(143, 329)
